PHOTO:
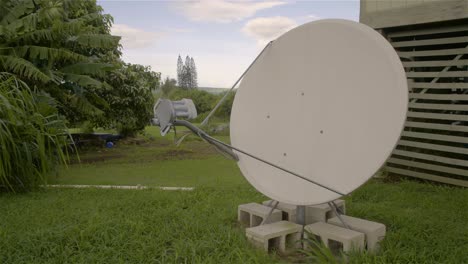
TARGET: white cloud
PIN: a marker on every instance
(223, 11)
(265, 29)
(134, 38)
(312, 17)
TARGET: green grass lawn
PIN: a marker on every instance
(155, 162)
(426, 223)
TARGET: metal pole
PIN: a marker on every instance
(338, 214)
(271, 211)
(300, 219)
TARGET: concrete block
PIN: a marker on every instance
(374, 231)
(252, 214)
(288, 210)
(314, 213)
(336, 238)
(322, 212)
(282, 236)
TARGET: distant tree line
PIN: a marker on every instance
(184, 86)
(187, 73)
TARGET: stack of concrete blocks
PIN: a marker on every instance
(282, 236)
(374, 232)
(314, 213)
(253, 214)
(288, 210)
(336, 238)
(281, 231)
(274, 234)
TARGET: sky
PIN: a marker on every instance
(223, 37)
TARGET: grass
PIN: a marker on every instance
(426, 223)
(155, 162)
(121, 226)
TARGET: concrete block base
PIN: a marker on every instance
(288, 210)
(282, 236)
(373, 231)
(336, 238)
(314, 213)
(252, 214)
(323, 212)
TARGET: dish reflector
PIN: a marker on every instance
(326, 100)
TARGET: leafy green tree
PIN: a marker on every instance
(56, 46)
(224, 111)
(168, 85)
(131, 100)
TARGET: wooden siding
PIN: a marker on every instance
(434, 143)
(392, 13)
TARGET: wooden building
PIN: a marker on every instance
(431, 38)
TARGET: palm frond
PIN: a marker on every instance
(82, 80)
(97, 40)
(45, 53)
(23, 24)
(51, 11)
(94, 69)
(82, 104)
(35, 36)
(55, 32)
(17, 11)
(22, 67)
(91, 17)
(97, 100)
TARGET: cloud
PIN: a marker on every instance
(134, 38)
(312, 17)
(223, 11)
(265, 29)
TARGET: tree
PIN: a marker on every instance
(168, 85)
(131, 99)
(180, 70)
(194, 76)
(57, 58)
(187, 73)
(56, 47)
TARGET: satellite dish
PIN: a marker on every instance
(326, 100)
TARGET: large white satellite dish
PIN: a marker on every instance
(326, 100)
(316, 115)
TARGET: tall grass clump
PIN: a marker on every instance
(32, 136)
(316, 251)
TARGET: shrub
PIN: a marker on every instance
(224, 110)
(32, 135)
(203, 101)
(131, 100)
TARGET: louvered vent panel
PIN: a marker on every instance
(434, 144)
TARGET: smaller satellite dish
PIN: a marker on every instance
(166, 112)
(326, 100)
